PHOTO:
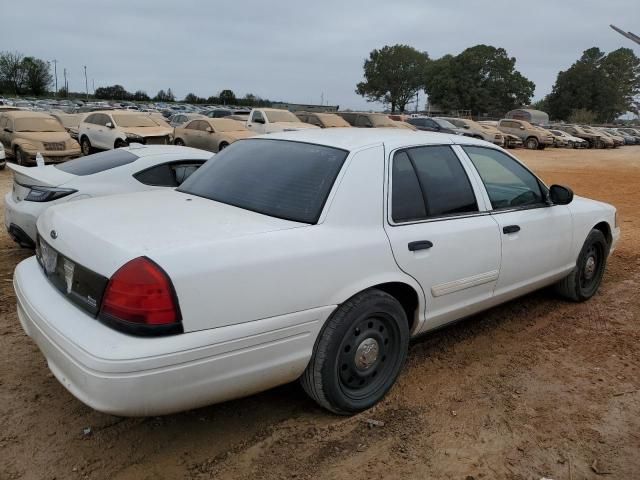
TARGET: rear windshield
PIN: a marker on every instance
(283, 179)
(98, 162)
(281, 116)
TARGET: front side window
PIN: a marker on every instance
(363, 121)
(282, 179)
(429, 182)
(508, 184)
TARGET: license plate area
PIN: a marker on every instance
(80, 285)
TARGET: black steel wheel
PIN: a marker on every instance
(585, 279)
(359, 353)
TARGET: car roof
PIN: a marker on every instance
(357, 138)
(25, 114)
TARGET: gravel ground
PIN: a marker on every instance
(535, 388)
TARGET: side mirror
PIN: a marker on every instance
(560, 195)
(258, 120)
(8, 130)
(466, 127)
(521, 127)
(108, 125)
(209, 129)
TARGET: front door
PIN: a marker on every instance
(536, 236)
(440, 233)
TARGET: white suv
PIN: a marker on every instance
(113, 129)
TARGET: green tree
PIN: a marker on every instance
(604, 84)
(482, 79)
(37, 75)
(114, 92)
(227, 97)
(582, 116)
(12, 73)
(141, 96)
(393, 75)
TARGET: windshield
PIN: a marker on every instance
(133, 121)
(281, 116)
(282, 179)
(444, 123)
(331, 120)
(457, 122)
(38, 124)
(379, 120)
(224, 125)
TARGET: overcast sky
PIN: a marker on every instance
(297, 50)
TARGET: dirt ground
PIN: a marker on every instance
(535, 388)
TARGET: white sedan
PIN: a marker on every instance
(311, 255)
(124, 170)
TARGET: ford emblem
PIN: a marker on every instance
(54, 234)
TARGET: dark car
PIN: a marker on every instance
(218, 113)
(429, 124)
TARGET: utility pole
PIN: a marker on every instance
(66, 85)
(55, 70)
(86, 83)
(93, 86)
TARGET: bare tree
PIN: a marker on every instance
(11, 70)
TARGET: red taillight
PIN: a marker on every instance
(140, 293)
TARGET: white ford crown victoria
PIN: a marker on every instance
(311, 255)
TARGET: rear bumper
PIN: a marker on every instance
(134, 376)
(20, 220)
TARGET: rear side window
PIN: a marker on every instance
(407, 201)
(98, 162)
(168, 174)
(283, 179)
(429, 182)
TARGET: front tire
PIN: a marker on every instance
(222, 146)
(585, 279)
(85, 146)
(21, 158)
(119, 143)
(358, 354)
(179, 142)
(532, 143)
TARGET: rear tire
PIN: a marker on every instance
(531, 143)
(20, 157)
(585, 279)
(222, 146)
(358, 354)
(85, 146)
(119, 143)
(179, 142)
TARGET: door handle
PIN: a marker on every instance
(420, 245)
(511, 229)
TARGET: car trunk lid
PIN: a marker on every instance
(26, 177)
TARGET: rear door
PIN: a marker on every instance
(440, 231)
(536, 236)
